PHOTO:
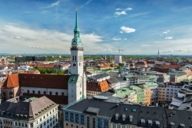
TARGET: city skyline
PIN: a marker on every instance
(136, 27)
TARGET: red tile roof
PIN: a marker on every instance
(102, 86)
(12, 81)
(44, 81)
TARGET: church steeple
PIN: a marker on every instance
(77, 80)
(76, 23)
(76, 42)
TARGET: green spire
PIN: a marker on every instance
(76, 40)
(76, 22)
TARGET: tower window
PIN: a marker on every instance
(74, 64)
(75, 58)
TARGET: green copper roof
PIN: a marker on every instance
(76, 42)
(76, 22)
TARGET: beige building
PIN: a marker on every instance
(20, 112)
(167, 91)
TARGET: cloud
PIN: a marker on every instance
(166, 35)
(52, 5)
(23, 39)
(129, 9)
(86, 3)
(139, 14)
(125, 29)
(166, 32)
(116, 39)
(168, 38)
(120, 11)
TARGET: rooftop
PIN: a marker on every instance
(134, 114)
(25, 108)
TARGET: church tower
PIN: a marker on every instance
(76, 52)
(77, 80)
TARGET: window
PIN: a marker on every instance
(63, 94)
(75, 58)
(93, 123)
(31, 125)
(102, 123)
(88, 122)
(71, 117)
(50, 93)
(56, 93)
(28, 91)
(66, 116)
(33, 92)
(39, 92)
(44, 92)
(82, 119)
(77, 118)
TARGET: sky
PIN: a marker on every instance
(107, 26)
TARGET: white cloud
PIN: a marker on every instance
(119, 13)
(129, 9)
(116, 38)
(85, 4)
(125, 29)
(118, 9)
(52, 5)
(168, 38)
(166, 32)
(22, 39)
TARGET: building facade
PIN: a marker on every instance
(96, 113)
(33, 112)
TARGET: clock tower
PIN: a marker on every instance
(76, 52)
(77, 81)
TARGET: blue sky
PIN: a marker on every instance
(134, 26)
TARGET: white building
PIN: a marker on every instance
(118, 59)
(29, 113)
